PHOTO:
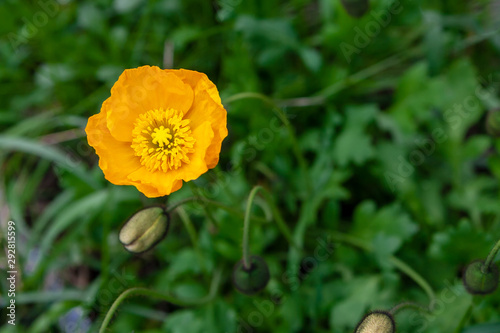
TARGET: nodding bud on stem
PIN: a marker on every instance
(376, 322)
(252, 279)
(144, 229)
(356, 8)
(480, 280)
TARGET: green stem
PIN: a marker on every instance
(188, 224)
(409, 271)
(405, 305)
(228, 209)
(193, 236)
(211, 221)
(465, 317)
(491, 256)
(282, 116)
(246, 227)
(363, 74)
(169, 298)
(179, 203)
(276, 216)
(401, 265)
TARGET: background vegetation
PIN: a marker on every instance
(392, 149)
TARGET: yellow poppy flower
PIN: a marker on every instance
(158, 128)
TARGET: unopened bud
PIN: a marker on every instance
(252, 279)
(356, 8)
(144, 229)
(479, 281)
(376, 322)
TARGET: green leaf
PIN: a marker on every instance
(353, 144)
(182, 321)
(80, 209)
(362, 292)
(389, 221)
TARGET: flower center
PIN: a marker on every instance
(162, 139)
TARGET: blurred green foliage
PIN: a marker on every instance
(389, 110)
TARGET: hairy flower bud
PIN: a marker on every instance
(144, 229)
(253, 279)
(356, 8)
(376, 322)
(478, 281)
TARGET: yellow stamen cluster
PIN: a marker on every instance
(162, 139)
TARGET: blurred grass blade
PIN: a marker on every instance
(82, 207)
(56, 205)
(9, 143)
(50, 317)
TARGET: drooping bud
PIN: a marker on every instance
(480, 280)
(144, 229)
(253, 279)
(376, 322)
(356, 8)
(493, 123)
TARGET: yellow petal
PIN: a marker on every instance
(139, 90)
(199, 82)
(116, 158)
(205, 109)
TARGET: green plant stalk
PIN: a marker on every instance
(169, 298)
(206, 210)
(491, 256)
(406, 305)
(276, 216)
(228, 209)
(188, 224)
(399, 264)
(465, 317)
(246, 227)
(282, 116)
(193, 236)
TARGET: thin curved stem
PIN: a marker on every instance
(228, 209)
(180, 203)
(188, 224)
(276, 216)
(465, 317)
(169, 298)
(401, 265)
(405, 305)
(491, 256)
(246, 227)
(282, 116)
(410, 272)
